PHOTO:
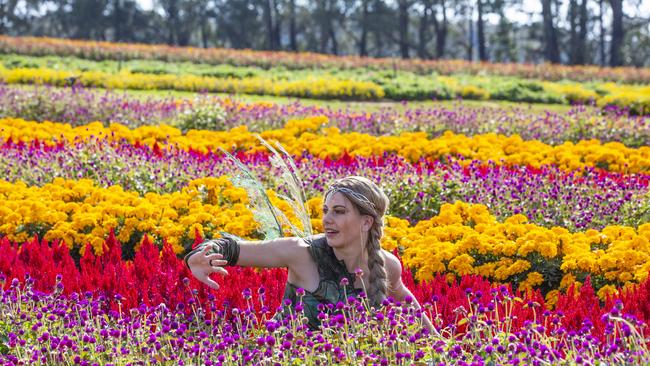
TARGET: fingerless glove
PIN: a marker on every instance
(225, 246)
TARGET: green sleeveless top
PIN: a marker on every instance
(329, 291)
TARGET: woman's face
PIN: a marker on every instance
(342, 222)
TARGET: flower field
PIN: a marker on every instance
(523, 232)
(337, 81)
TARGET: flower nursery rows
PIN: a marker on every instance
(79, 106)
(81, 318)
(311, 135)
(546, 264)
(304, 60)
(321, 84)
(524, 233)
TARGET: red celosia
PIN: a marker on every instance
(158, 276)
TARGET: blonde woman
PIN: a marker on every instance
(320, 266)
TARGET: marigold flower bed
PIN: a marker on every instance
(309, 135)
(463, 239)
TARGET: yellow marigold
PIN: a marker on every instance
(486, 270)
(447, 216)
(315, 207)
(519, 266)
(462, 265)
(567, 280)
(517, 219)
(533, 279)
(625, 276)
(551, 298)
(607, 291)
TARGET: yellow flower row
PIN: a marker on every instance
(466, 239)
(637, 98)
(79, 213)
(463, 239)
(313, 135)
(309, 88)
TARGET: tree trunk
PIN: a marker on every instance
(324, 24)
(204, 30)
(482, 53)
(268, 21)
(118, 19)
(573, 31)
(404, 28)
(423, 33)
(277, 40)
(618, 33)
(335, 44)
(582, 36)
(440, 27)
(172, 22)
(363, 40)
(293, 44)
(601, 34)
(551, 50)
(470, 36)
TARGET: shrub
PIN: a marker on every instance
(202, 116)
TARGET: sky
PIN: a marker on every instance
(531, 5)
(518, 14)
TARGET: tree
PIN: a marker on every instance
(551, 49)
(502, 43)
(403, 12)
(578, 31)
(441, 28)
(480, 31)
(601, 33)
(239, 24)
(293, 43)
(618, 33)
(363, 23)
(7, 15)
(272, 22)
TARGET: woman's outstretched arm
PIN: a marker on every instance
(283, 252)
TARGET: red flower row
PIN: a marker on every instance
(155, 277)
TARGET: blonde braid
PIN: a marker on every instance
(377, 278)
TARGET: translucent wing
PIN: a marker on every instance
(265, 213)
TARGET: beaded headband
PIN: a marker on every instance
(352, 193)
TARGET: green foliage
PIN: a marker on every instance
(523, 91)
(415, 202)
(636, 211)
(202, 116)
(228, 71)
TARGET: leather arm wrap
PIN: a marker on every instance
(227, 247)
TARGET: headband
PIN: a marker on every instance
(352, 193)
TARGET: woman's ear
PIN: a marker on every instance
(367, 222)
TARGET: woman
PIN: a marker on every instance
(349, 251)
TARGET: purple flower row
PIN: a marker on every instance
(89, 329)
(78, 106)
(547, 196)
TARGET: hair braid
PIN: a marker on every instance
(377, 278)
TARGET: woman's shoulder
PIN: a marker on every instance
(316, 241)
(392, 264)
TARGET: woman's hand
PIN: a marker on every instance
(203, 264)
